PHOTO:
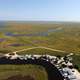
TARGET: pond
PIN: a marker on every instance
(44, 33)
(18, 44)
(2, 39)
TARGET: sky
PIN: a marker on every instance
(40, 10)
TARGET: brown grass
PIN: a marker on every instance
(20, 77)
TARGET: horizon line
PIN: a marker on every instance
(38, 21)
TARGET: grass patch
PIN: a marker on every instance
(35, 71)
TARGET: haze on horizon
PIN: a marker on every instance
(40, 10)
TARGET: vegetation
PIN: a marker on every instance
(17, 36)
(62, 36)
(35, 71)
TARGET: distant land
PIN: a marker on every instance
(53, 34)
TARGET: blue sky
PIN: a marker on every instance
(52, 10)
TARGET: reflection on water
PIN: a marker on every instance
(2, 39)
(34, 34)
(45, 33)
(18, 44)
